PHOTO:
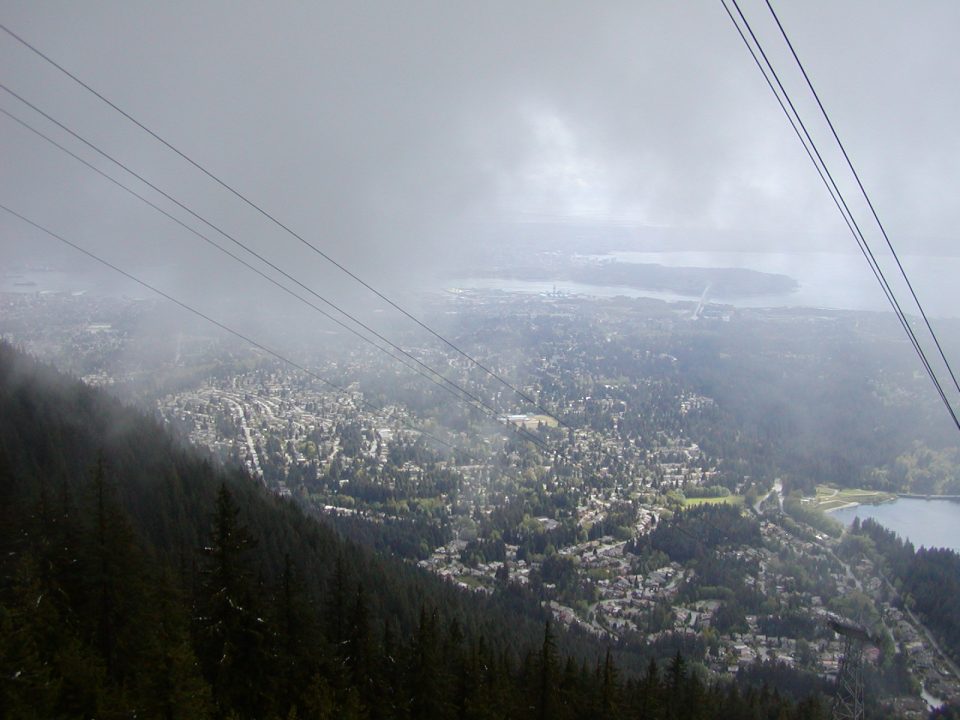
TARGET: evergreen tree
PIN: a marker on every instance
(336, 612)
(231, 633)
(114, 587)
(546, 675)
(426, 682)
(609, 690)
(28, 687)
(168, 684)
(359, 649)
(298, 639)
(649, 703)
(675, 680)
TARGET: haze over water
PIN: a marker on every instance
(840, 281)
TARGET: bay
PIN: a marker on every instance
(840, 281)
(41, 281)
(564, 287)
(931, 523)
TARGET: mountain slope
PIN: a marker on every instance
(139, 579)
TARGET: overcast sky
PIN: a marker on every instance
(384, 132)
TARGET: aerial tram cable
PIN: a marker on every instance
(218, 230)
(273, 219)
(837, 197)
(469, 404)
(226, 251)
(855, 228)
(846, 214)
(845, 211)
(847, 217)
(260, 257)
(370, 406)
(866, 197)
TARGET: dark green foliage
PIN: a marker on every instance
(787, 680)
(927, 580)
(804, 402)
(696, 532)
(232, 635)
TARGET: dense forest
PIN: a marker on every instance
(695, 532)
(927, 580)
(819, 401)
(139, 580)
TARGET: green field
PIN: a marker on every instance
(532, 422)
(828, 498)
(727, 500)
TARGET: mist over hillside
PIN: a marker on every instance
(448, 361)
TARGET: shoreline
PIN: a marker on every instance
(850, 498)
(896, 496)
(849, 505)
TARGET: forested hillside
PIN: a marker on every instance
(138, 580)
(927, 580)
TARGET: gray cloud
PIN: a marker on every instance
(382, 131)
